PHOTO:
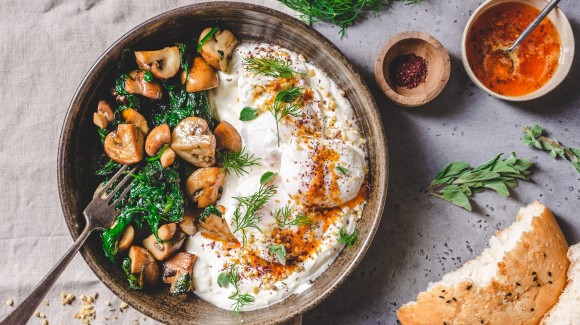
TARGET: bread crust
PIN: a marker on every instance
(566, 312)
(528, 283)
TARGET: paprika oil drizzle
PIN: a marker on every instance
(535, 60)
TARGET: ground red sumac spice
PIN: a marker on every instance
(408, 70)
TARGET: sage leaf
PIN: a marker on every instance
(266, 177)
(280, 252)
(248, 114)
(457, 182)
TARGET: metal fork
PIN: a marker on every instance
(99, 214)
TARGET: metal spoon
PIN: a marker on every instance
(533, 25)
(505, 56)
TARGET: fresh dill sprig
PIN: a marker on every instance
(232, 277)
(271, 67)
(287, 102)
(246, 213)
(283, 214)
(348, 239)
(240, 161)
(342, 13)
(533, 136)
(458, 181)
(241, 300)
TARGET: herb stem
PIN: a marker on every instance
(554, 144)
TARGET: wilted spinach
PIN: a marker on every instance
(183, 105)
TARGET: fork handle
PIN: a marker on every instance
(24, 311)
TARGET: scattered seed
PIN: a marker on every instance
(123, 305)
(9, 302)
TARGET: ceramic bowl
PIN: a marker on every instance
(564, 62)
(425, 46)
(79, 149)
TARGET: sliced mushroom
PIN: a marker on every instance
(216, 227)
(193, 142)
(204, 186)
(126, 239)
(201, 76)
(217, 51)
(159, 136)
(167, 158)
(132, 116)
(136, 84)
(104, 115)
(161, 251)
(167, 231)
(125, 145)
(163, 64)
(187, 224)
(227, 137)
(144, 265)
(178, 270)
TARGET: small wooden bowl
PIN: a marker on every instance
(438, 68)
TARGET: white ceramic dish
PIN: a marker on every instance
(564, 62)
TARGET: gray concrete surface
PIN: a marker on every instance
(422, 238)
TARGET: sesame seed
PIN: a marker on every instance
(9, 302)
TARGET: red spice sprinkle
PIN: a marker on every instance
(408, 70)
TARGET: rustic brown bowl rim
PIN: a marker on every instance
(416, 100)
(381, 185)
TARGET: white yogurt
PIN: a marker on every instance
(327, 121)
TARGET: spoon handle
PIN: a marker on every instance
(533, 24)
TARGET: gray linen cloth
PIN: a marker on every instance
(46, 47)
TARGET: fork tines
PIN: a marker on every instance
(119, 186)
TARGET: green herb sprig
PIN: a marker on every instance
(246, 213)
(134, 282)
(348, 239)
(209, 211)
(458, 181)
(284, 214)
(231, 277)
(342, 13)
(284, 105)
(239, 162)
(280, 252)
(184, 62)
(206, 38)
(287, 102)
(533, 136)
(269, 66)
(248, 114)
(342, 170)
